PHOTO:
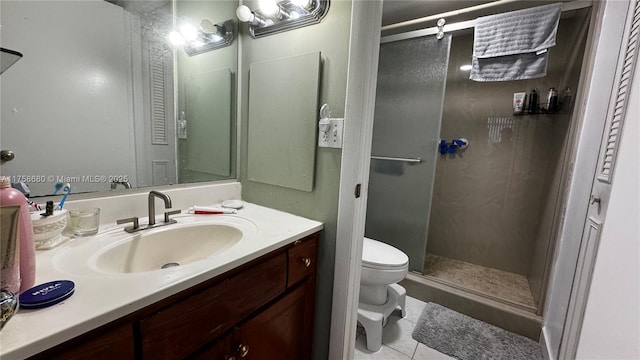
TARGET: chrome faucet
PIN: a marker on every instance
(152, 204)
(152, 214)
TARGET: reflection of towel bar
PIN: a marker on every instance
(397, 159)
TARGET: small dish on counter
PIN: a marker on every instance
(47, 230)
(232, 204)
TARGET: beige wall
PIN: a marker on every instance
(489, 200)
(331, 38)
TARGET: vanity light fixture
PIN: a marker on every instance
(305, 4)
(207, 37)
(273, 16)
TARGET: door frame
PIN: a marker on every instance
(362, 77)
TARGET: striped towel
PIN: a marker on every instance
(514, 45)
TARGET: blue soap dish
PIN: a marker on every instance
(46, 294)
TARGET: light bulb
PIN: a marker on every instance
(189, 32)
(305, 4)
(244, 14)
(175, 38)
(269, 7)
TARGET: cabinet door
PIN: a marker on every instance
(221, 350)
(276, 333)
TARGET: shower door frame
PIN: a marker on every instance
(470, 24)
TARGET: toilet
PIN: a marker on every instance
(382, 267)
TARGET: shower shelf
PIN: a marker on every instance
(540, 111)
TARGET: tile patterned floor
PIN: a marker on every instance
(501, 284)
(397, 343)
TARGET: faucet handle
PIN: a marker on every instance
(134, 220)
(168, 213)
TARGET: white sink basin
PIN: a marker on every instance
(167, 247)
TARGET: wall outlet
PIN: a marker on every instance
(332, 138)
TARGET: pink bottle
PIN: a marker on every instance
(12, 197)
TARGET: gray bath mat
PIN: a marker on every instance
(466, 338)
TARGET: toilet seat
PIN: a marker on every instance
(382, 264)
(380, 256)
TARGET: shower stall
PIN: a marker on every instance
(480, 221)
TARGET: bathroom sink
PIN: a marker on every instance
(167, 247)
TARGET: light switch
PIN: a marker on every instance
(333, 136)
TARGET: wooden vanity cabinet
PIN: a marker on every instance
(260, 310)
(107, 342)
(185, 326)
(284, 328)
(281, 331)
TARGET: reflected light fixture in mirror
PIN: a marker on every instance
(273, 17)
(270, 8)
(207, 37)
(245, 14)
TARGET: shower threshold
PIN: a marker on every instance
(504, 287)
(481, 307)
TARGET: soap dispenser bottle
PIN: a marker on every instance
(12, 197)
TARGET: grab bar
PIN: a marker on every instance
(410, 160)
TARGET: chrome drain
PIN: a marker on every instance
(169, 265)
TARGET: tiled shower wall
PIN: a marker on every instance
(490, 200)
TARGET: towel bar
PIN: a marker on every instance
(418, 160)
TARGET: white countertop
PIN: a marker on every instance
(102, 297)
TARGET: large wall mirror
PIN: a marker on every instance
(103, 100)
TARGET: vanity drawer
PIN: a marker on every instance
(302, 257)
(182, 328)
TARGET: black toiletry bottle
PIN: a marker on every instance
(533, 101)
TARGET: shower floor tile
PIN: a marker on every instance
(496, 283)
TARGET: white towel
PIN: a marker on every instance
(514, 45)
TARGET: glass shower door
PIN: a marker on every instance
(409, 101)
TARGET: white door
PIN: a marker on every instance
(155, 130)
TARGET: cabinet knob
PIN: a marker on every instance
(7, 155)
(244, 350)
(306, 261)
